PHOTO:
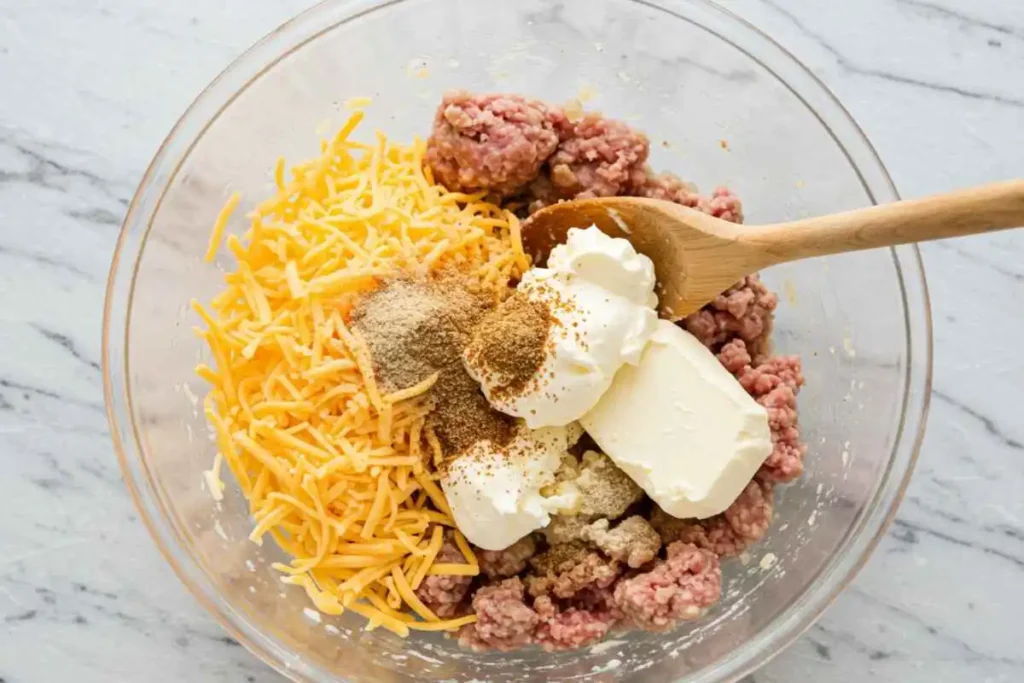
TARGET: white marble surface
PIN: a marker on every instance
(88, 90)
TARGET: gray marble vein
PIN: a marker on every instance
(855, 66)
(963, 18)
(90, 90)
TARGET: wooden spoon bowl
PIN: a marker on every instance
(696, 257)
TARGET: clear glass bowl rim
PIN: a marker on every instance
(853, 552)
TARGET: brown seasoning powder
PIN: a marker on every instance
(415, 328)
(560, 557)
(510, 345)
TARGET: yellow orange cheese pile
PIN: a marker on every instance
(334, 470)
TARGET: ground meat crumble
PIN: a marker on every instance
(605, 490)
(633, 541)
(565, 529)
(721, 204)
(445, 595)
(774, 383)
(679, 588)
(567, 578)
(597, 157)
(588, 573)
(495, 143)
(504, 620)
(745, 311)
(500, 564)
(570, 628)
(726, 535)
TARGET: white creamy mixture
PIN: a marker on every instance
(681, 426)
(656, 400)
(495, 494)
(601, 294)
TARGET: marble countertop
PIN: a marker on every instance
(89, 91)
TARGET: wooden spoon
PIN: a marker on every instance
(696, 257)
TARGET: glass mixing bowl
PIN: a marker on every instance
(722, 104)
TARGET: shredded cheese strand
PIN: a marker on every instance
(220, 225)
(338, 473)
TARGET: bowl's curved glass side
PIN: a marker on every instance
(865, 347)
(130, 425)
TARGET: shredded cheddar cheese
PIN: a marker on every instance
(338, 474)
(220, 225)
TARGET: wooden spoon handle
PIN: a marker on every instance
(966, 212)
